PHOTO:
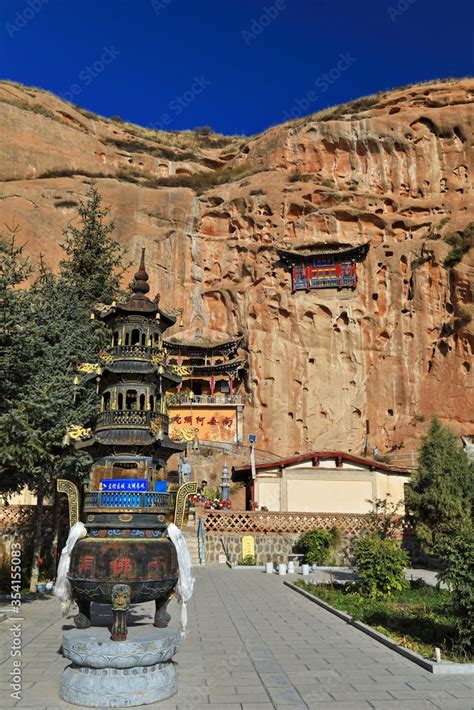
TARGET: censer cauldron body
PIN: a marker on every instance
(126, 556)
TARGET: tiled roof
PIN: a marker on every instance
(240, 473)
(349, 251)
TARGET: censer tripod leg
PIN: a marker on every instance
(83, 619)
(120, 607)
(162, 618)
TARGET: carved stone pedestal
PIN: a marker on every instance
(111, 674)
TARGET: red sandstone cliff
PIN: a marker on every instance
(395, 169)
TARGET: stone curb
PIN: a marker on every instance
(443, 668)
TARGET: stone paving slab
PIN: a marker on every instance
(252, 644)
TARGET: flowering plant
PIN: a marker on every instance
(213, 504)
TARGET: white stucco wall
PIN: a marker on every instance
(325, 496)
(267, 493)
(321, 489)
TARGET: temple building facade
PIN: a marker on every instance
(324, 265)
(208, 405)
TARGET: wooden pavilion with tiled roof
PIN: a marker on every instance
(331, 265)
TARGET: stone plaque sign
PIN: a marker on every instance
(248, 546)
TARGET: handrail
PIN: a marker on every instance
(261, 455)
(201, 542)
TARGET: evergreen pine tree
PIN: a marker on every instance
(93, 256)
(14, 321)
(440, 494)
(33, 450)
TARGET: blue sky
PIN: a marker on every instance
(239, 67)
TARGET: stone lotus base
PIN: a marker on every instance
(117, 687)
(111, 674)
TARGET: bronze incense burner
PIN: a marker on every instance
(126, 556)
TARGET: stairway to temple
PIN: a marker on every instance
(239, 454)
(190, 536)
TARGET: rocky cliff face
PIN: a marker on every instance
(395, 169)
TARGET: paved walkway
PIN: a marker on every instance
(253, 644)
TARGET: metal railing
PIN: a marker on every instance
(181, 399)
(132, 417)
(327, 282)
(241, 452)
(145, 351)
(404, 459)
(125, 499)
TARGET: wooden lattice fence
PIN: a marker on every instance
(17, 524)
(15, 518)
(241, 522)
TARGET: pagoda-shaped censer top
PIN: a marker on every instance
(126, 505)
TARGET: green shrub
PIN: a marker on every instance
(69, 172)
(456, 555)
(380, 565)
(463, 318)
(88, 114)
(454, 257)
(336, 537)
(203, 131)
(460, 243)
(316, 545)
(201, 182)
(249, 561)
(297, 177)
(384, 520)
(66, 203)
(33, 107)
